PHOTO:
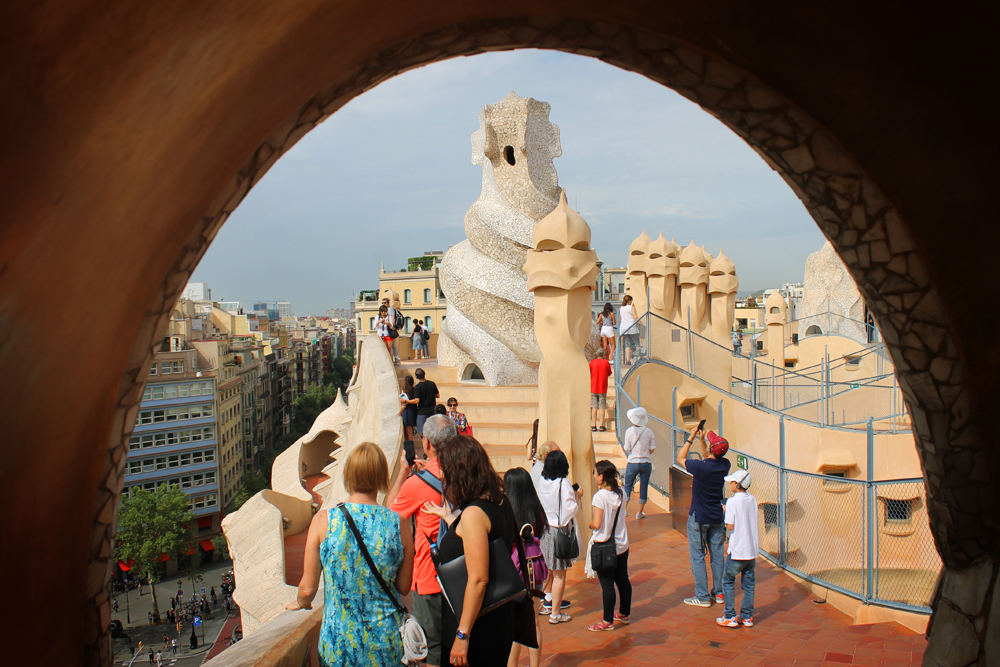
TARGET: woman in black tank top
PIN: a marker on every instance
(472, 485)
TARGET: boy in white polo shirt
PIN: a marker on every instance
(741, 520)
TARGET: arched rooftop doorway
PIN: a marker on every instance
(138, 134)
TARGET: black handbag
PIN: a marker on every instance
(567, 547)
(505, 583)
(604, 555)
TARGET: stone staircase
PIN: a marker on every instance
(502, 417)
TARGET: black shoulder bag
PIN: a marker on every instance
(604, 555)
(566, 547)
(505, 582)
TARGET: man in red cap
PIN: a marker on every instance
(706, 522)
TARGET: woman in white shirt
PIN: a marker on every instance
(607, 503)
(561, 502)
(639, 446)
(627, 328)
(383, 324)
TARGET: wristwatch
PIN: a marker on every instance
(463, 635)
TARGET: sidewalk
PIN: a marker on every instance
(790, 629)
(152, 635)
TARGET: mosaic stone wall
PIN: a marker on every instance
(864, 226)
(490, 320)
(829, 288)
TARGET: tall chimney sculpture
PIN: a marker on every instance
(562, 272)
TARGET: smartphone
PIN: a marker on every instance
(576, 487)
(701, 424)
(411, 453)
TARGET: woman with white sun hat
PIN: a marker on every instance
(640, 443)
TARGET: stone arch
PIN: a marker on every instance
(871, 235)
(471, 372)
(814, 330)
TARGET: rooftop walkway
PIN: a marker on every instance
(295, 545)
(790, 629)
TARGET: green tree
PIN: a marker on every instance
(253, 483)
(150, 525)
(222, 545)
(332, 379)
(344, 366)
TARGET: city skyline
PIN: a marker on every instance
(635, 156)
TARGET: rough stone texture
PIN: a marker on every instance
(374, 416)
(829, 288)
(861, 222)
(489, 308)
(256, 541)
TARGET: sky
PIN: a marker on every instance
(390, 176)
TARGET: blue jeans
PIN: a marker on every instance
(733, 568)
(419, 428)
(642, 471)
(700, 537)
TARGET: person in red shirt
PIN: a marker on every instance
(407, 498)
(600, 371)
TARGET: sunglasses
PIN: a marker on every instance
(453, 405)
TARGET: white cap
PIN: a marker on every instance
(638, 416)
(741, 477)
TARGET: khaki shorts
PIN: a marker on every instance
(599, 401)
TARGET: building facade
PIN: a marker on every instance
(175, 440)
(419, 290)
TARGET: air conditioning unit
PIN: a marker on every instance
(795, 339)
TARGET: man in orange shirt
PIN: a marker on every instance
(407, 498)
(600, 371)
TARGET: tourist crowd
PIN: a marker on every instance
(476, 550)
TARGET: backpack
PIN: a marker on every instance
(427, 336)
(430, 480)
(534, 571)
(398, 321)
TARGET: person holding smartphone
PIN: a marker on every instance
(706, 523)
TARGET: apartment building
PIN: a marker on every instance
(216, 352)
(308, 364)
(252, 367)
(175, 440)
(419, 290)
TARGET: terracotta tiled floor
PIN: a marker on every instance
(295, 544)
(790, 630)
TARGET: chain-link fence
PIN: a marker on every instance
(867, 539)
(906, 562)
(843, 393)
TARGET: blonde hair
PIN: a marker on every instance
(366, 469)
(545, 449)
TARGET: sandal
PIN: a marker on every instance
(601, 626)
(620, 618)
(593, 428)
(602, 429)
(559, 618)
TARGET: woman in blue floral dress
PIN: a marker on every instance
(360, 623)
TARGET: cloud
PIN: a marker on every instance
(390, 176)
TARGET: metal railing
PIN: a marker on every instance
(842, 393)
(868, 539)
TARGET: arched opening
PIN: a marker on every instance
(844, 193)
(814, 330)
(471, 373)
